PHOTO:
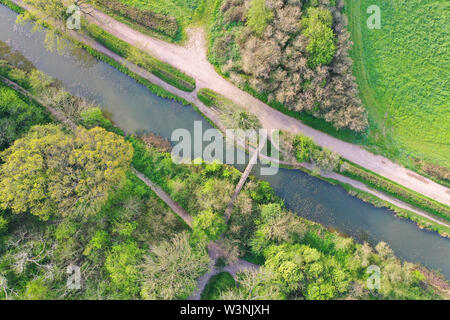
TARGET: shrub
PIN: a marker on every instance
(157, 22)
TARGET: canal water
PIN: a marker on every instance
(135, 109)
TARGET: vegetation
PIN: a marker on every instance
(317, 27)
(216, 285)
(156, 22)
(16, 116)
(179, 13)
(160, 69)
(301, 259)
(49, 172)
(401, 71)
(258, 16)
(231, 115)
(293, 59)
(304, 261)
(172, 269)
(109, 239)
(129, 245)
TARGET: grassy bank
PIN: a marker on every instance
(161, 26)
(421, 222)
(232, 115)
(160, 69)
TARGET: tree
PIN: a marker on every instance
(317, 27)
(53, 12)
(258, 16)
(259, 284)
(303, 147)
(208, 226)
(172, 268)
(16, 116)
(275, 226)
(51, 172)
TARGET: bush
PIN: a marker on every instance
(317, 27)
(17, 116)
(93, 117)
(258, 16)
(157, 22)
(208, 226)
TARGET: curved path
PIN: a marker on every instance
(192, 60)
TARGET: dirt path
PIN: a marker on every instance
(165, 197)
(192, 60)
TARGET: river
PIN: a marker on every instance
(133, 108)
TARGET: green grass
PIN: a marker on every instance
(402, 72)
(216, 285)
(182, 10)
(185, 12)
(12, 6)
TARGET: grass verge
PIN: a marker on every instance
(398, 191)
(216, 285)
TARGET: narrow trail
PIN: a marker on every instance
(166, 198)
(214, 249)
(252, 162)
(192, 60)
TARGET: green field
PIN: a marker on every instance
(402, 72)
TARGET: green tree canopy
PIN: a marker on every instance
(172, 269)
(51, 172)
